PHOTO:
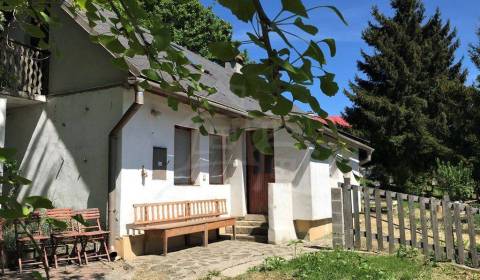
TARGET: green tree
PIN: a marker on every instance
(403, 102)
(474, 51)
(192, 25)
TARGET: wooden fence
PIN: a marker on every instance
(378, 220)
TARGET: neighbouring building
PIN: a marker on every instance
(88, 136)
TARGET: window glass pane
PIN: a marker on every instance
(182, 156)
(216, 159)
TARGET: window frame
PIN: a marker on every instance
(190, 182)
(222, 151)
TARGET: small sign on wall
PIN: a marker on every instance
(159, 165)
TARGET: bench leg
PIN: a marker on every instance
(165, 243)
(145, 242)
(205, 238)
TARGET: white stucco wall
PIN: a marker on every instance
(310, 180)
(154, 126)
(62, 146)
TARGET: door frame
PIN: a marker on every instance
(266, 179)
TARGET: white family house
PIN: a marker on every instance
(88, 136)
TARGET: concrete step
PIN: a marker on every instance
(253, 217)
(247, 237)
(249, 230)
(252, 223)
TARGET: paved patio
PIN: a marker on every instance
(230, 258)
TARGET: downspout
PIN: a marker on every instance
(113, 137)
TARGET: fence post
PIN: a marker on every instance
(347, 213)
(338, 240)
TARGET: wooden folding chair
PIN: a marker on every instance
(92, 233)
(24, 245)
(65, 238)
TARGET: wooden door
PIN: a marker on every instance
(260, 172)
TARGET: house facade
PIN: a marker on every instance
(91, 137)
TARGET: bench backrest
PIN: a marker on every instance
(166, 212)
(64, 215)
(91, 217)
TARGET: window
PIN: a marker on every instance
(159, 164)
(216, 159)
(183, 156)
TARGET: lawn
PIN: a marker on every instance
(332, 265)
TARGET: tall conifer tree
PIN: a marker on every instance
(401, 101)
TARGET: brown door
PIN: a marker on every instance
(260, 172)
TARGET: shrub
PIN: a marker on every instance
(456, 180)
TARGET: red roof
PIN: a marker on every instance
(338, 120)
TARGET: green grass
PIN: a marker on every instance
(332, 265)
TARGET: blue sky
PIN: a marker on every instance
(463, 14)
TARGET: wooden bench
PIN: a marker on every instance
(181, 218)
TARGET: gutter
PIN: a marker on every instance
(112, 219)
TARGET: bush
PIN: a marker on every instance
(456, 180)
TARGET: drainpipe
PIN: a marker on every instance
(113, 158)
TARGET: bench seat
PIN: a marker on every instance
(171, 219)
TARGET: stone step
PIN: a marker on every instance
(247, 237)
(253, 217)
(249, 230)
(252, 223)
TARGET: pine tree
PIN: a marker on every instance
(474, 52)
(401, 102)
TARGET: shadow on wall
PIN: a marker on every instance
(62, 147)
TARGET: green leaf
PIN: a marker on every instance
(242, 9)
(37, 275)
(315, 52)
(295, 6)
(151, 74)
(238, 85)
(305, 27)
(56, 224)
(45, 17)
(337, 12)
(21, 180)
(115, 46)
(121, 63)
(225, 51)
(313, 102)
(282, 107)
(261, 140)
(197, 119)
(331, 45)
(39, 202)
(343, 165)
(81, 4)
(321, 153)
(79, 218)
(300, 146)
(161, 37)
(203, 130)
(235, 135)
(33, 30)
(172, 103)
(285, 64)
(328, 85)
(256, 114)
(331, 125)
(300, 93)
(7, 154)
